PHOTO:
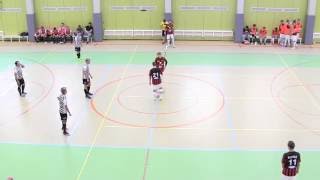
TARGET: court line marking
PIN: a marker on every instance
(307, 91)
(77, 124)
(9, 88)
(150, 140)
(100, 127)
(292, 72)
(229, 118)
(162, 148)
(223, 129)
(207, 98)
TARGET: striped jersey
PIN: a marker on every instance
(290, 161)
(155, 75)
(161, 63)
(85, 72)
(18, 72)
(77, 41)
(62, 104)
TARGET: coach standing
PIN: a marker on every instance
(290, 163)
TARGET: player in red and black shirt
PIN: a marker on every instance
(161, 62)
(290, 162)
(155, 79)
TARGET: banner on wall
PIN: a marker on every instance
(64, 8)
(10, 10)
(268, 9)
(133, 8)
(204, 8)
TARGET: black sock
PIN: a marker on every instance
(78, 55)
(23, 86)
(19, 90)
(85, 92)
(64, 127)
(89, 88)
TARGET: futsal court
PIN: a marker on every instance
(224, 114)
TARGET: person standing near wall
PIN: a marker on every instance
(282, 30)
(170, 35)
(89, 32)
(164, 25)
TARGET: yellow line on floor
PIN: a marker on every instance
(101, 125)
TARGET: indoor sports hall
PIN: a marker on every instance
(231, 103)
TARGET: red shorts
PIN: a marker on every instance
(156, 81)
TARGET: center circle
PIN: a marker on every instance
(135, 88)
(218, 94)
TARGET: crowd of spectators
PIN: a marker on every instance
(63, 33)
(286, 34)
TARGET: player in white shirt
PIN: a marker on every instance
(18, 75)
(78, 44)
(86, 77)
(63, 109)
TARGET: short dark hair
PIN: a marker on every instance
(16, 63)
(291, 145)
(154, 63)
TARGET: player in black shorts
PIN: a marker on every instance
(63, 109)
(18, 75)
(86, 78)
(78, 44)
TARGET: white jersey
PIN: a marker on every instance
(86, 72)
(18, 72)
(62, 104)
(77, 41)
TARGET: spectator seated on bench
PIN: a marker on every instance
(68, 34)
(55, 35)
(40, 35)
(246, 35)
(275, 35)
(89, 32)
(263, 36)
(254, 34)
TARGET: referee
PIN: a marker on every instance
(63, 109)
(86, 77)
(290, 163)
(18, 75)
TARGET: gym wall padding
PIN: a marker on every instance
(317, 21)
(272, 19)
(72, 18)
(13, 22)
(132, 19)
(204, 19)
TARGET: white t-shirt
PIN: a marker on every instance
(85, 72)
(62, 104)
(18, 72)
